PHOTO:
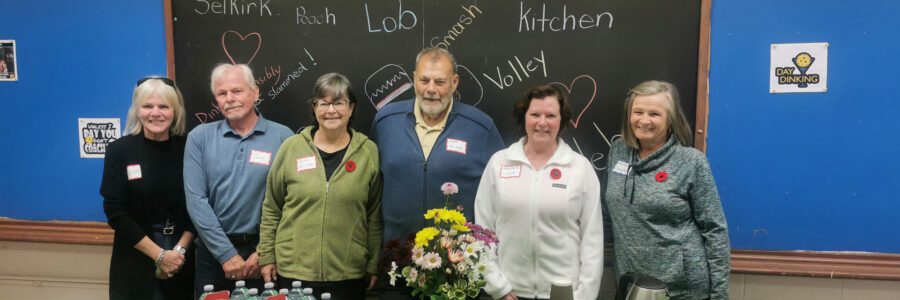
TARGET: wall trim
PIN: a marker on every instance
(61, 232)
(852, 265)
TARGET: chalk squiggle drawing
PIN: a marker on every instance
(466, 75)
(389, 87)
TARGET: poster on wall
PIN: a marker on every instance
(94, 134)
(799, 68)
(8, 65)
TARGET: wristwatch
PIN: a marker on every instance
(179, 249)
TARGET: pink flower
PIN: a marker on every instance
(459, 207)
(449, 188)
(418, 256)
(432, 260)
(413, 274)
(447, 243)
(456, 256)
(421, 279)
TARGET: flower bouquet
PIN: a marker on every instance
(447, 260)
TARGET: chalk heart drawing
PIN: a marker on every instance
(572, 100)
(243, 39)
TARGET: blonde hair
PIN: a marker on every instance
(168, 94)
(678, 124)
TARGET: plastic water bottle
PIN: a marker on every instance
(207, 289)
(308, 295)
(326, 296)
(240, 291)
(296, 293)
(253, 294)
(269, 290)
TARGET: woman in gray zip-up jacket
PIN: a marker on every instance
(667, 219)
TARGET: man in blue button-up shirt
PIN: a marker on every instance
(225, 167)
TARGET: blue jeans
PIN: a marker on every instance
(209, 270)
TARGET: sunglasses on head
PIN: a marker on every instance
(165, 80)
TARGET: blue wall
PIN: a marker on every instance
(75, 59)
(810, 171)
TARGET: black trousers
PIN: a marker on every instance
(209, 270)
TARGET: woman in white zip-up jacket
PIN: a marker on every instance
(543, 200)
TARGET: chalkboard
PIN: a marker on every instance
(595, 50)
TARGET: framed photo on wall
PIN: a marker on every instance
(8, 61)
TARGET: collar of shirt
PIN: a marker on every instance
(420, 120)
(562, 155)
(261, 126)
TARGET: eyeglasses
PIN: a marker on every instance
(165, 80)
(339, 104)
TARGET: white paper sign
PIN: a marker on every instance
(95, 134)
(798, 68)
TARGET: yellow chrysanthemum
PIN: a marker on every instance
(460, 228)
(452, 216)
(425, 235)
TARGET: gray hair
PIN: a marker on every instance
(435, 53)
(335, 85)
(678, 124)
(168, 94)
(220, 69)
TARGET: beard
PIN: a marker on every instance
(432, 110)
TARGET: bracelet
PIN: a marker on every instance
(159, 259)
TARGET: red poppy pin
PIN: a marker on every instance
(661, 176)
(555, 173)
(350, 166)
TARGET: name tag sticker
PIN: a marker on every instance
(260, 157)
(134, 172)
(306, 163)
(559, 185)
(510, 171)
(621, 168)
(458, 146)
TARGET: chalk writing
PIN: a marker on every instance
(326, 18)
(574, 101)
(208, 116)
(243, 38)
(386, 84)
(391, 24)
(276, 90)
(269, 73)
(529, 21)
(233, 7)
(457, 29)
(504, 81)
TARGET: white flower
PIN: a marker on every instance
(431, 260)
(393, 273)
(472, 249)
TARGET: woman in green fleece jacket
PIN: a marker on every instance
(667, 220)
(321, 218)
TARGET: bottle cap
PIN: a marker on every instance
(269, 285)
(307, 291)
(295, 284)
(208, 288)
(239, 283)
(254, 291)
(283, 291)
(326, 296)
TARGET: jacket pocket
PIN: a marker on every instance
(696, 268)
(663, 263)
(284, 250)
